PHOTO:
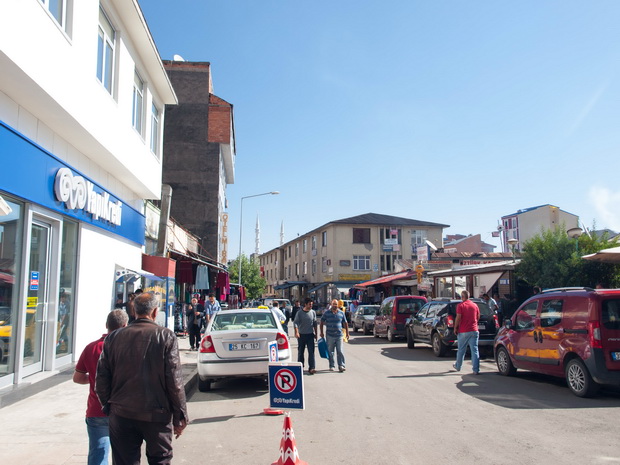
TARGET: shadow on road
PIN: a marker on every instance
(419, 354)
(239, 388)
(529, 390)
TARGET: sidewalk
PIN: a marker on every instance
(43, 422)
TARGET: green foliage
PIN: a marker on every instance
(552, 259)
(250, 276)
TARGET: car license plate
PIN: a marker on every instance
(615, 356)
(244, 346)
(481, 326)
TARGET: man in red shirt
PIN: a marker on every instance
(466, 330)
(85, 371)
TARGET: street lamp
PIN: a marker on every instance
(241, 224)
(512, 243)
(574, 233)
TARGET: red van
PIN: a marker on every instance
(572, 333)
(393, 314)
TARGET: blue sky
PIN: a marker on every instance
(448, 111)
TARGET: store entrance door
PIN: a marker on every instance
(37, 297)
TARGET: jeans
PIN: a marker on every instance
(127, 435)
(98, 440)
(468, 339)
(306, 341)
(335, 342)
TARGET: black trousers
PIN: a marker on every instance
(306, 341)
(126, 436)
(194, 336)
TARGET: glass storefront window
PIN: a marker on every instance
(66, 297)
(11, 234)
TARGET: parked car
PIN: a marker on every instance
(572, 333)
(393, 314)
(434, 325)
(364, 318)
(235, 344)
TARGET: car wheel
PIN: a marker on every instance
(439, 349)
(504, 364)
(204, 385)
(579, 380)
(410, 341)
(390, 335)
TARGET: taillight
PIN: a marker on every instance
(206, 345)
(282, 341)
(594, 328)
(496, 321)
(450, 321)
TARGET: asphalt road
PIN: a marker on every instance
(395, 405)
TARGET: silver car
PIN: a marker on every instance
(236, 344)
(364, 318)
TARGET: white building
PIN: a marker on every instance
(82, 98)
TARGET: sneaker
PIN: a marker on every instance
(454, 367)
(341, 369)
(331, 368)
(312, 371)
(476, 372)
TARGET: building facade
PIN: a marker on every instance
(199, 143)
(82, 102)
(529, 222)
(328, 261)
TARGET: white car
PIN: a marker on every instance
(236, 344)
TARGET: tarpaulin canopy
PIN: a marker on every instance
(387, 278)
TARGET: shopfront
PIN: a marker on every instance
(61, 237)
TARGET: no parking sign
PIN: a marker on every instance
(286, 387)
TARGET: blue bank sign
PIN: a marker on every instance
(286, 387)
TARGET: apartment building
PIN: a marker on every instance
(332, 258)
(82, 102)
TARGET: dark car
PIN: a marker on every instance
(434, 325)
(364, 318)
(572, 333)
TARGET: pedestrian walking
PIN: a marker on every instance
(212, 306)
(466, 329)
(305, 332)
(139, 383)
(336, 322)
(275, 309)
(85, 371)
(195, 319)
(296, 308)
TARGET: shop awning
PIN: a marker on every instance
(289, 284)
(387, 279)
(196, 258)
(317, 287)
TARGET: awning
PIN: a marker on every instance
(605, 256)
(317, 287)
(196, 258)
(387, 279)
(288, 284)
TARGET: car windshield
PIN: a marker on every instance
(369, 310)
(408, 306)
(249, 320)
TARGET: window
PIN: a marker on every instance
(314, 266)
(361, 235)
(304, 246)
(289, 271)
(418, 237)
(525, 317)
(58, 9)
(297, 270)
(390, 236)
(155, 130)
(105, 51)
(611, 314)
(297, 249)
(305, 268)
(551, 313)
(387, 261)
(324, 264)
(361, 262)
(324, 239)
(313, 242)
(138, 99)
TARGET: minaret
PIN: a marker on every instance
(282, 233)
(257, 247)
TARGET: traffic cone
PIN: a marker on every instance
(288, 447)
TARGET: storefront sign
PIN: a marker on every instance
(353, 277)
(78, 193)
(34, 280)
(224, 239)
(390, 241)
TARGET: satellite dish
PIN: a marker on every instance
(500, 227)
(178, 58)
(431, 245)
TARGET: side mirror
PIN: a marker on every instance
(508, 323)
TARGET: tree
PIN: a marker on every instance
(251, 279)
(552, 259)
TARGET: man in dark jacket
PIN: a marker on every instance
(195, 319)
(140, 386)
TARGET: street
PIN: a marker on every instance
(395, 405)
